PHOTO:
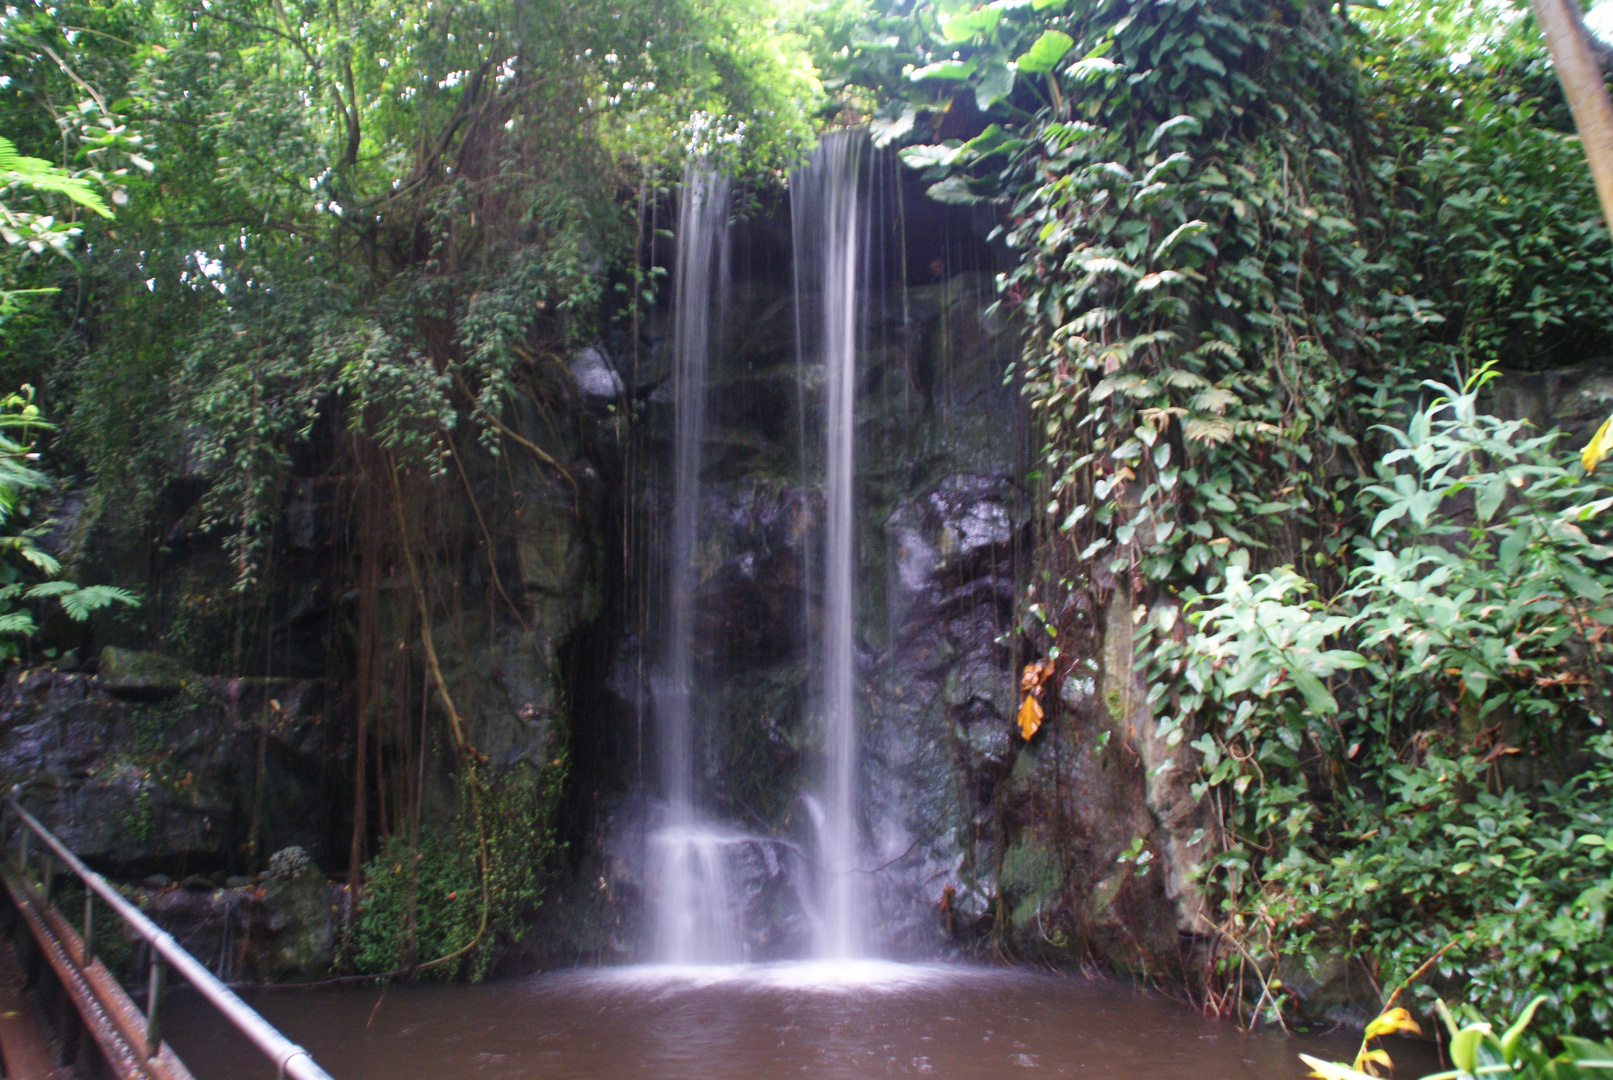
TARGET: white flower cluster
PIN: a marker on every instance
(704, 135)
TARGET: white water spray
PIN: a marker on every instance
(829, 228)
(695, 918)
(692, 909)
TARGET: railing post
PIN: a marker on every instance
(22, 856)
(89, 926)
(154, 1005)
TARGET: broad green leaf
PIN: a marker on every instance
(971, 24)
(1186, 229)
(1465, 1046)
(996, 83)
(944, 69)
(994, 140)
(1203, 58)
(1511, 547)
(1509, 1041)
(1317, 699)
(953, 190)
(1048, 50)
(1187, 125)
(1090, 68)
(886, 130)
(1488, 500)
(1588, 1054)
(924, 157)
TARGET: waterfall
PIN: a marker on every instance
(692, 904)
(695, 918)
(828, 221)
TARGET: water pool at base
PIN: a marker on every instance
(828, 1020)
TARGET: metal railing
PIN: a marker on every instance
(290, 1060)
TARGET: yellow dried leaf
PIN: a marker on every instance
(1332, 1070)
(1366, 1059)
(1396, 1019)
(1030, 716)
(1600, 446)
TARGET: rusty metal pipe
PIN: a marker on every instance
(289, 1059)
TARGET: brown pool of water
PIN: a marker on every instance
(829, 1021)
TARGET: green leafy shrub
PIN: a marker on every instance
(1476, 1050)
(427, 906)
(1420, 762)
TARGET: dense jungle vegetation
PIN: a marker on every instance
(1266, 259)
(1250, 243)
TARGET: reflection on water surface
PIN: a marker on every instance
(815, 1020)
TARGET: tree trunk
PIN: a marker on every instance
(1581, 76)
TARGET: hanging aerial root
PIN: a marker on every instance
(487, 538)
(467, 753)
(516, 437)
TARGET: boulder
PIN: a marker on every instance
(141, 676)
(595, 376)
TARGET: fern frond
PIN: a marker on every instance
(82, 603)
(19, 623)
(42, 559)
(41, 175)
(52, 588)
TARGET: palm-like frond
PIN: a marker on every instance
(41, 175)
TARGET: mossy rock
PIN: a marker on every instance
(300, 925)
(1030, 878)
(141, 676)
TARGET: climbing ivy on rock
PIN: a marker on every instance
(1242, 232)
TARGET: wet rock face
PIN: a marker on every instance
(771, 876)
(750, 602)
(1575, 400)
(957, 534)
(173, 784)
(941, 705)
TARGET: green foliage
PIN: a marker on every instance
(1522, 260)
(37, 176)
(424, 902)
(1476, 1050)
(1374, 795)
(20, 556)
(1244, 232)
(42, 202)
(390, 218)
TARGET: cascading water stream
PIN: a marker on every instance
(829, 229)
(693, 917)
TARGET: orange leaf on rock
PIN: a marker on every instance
(1030, 716)
(1035, 675)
